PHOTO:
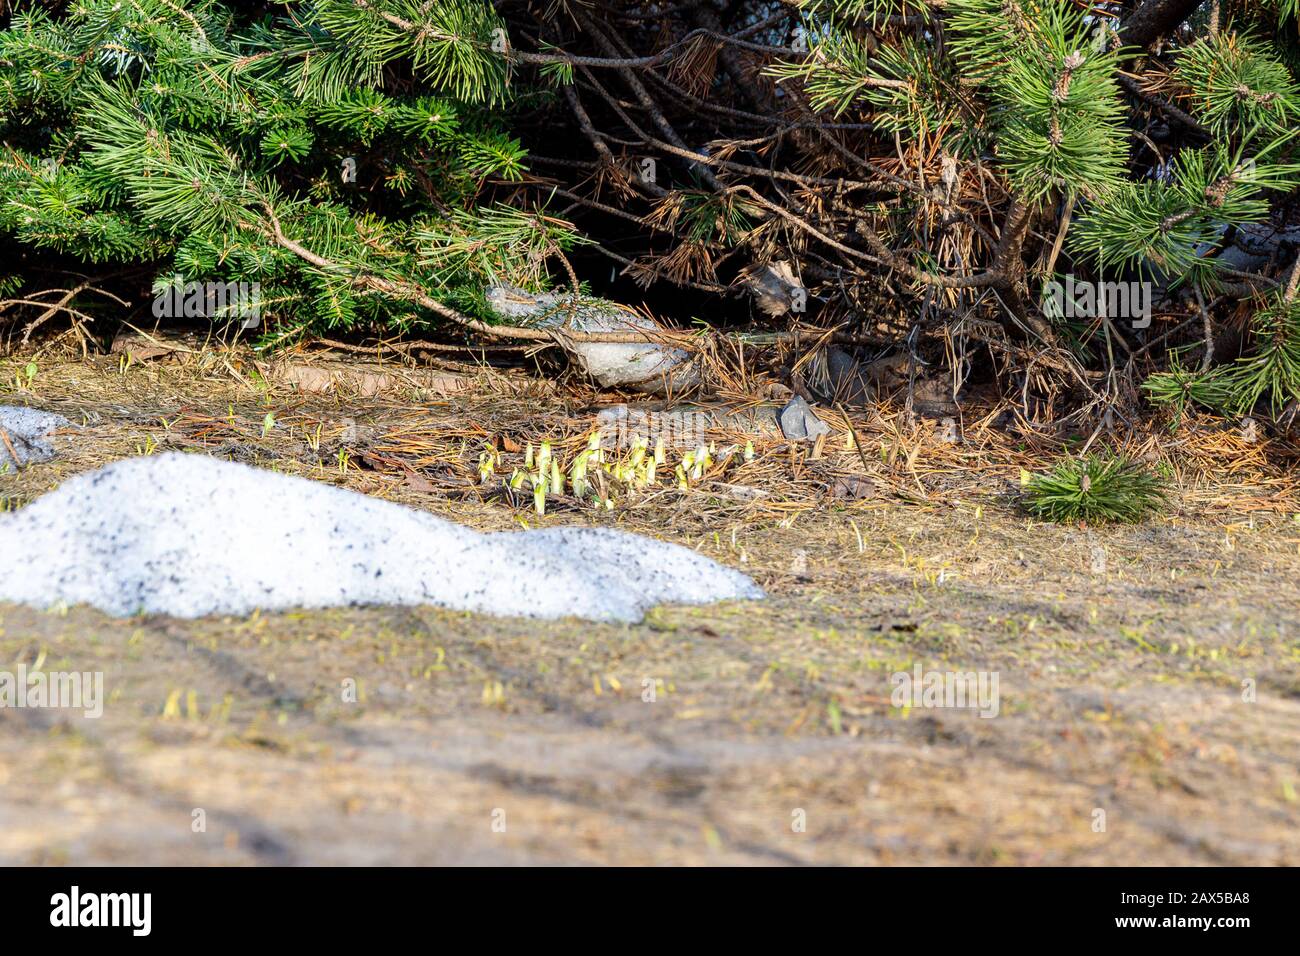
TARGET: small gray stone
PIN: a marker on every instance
(800, 423)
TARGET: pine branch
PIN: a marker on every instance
(409, 292)
(1154, 18)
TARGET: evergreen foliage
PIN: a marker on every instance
(920, 168)
(187, 136)
(1095, 489)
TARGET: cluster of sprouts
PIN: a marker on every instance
(600, 476)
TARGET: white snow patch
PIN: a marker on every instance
(26, 429)
(189, 535)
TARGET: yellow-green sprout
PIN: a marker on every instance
(578, 474)
(539, 493)
(699, 461)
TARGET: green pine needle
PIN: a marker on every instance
(1269, 373)
(1096, 490)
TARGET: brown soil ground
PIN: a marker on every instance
(1125, 656)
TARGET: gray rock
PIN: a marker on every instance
(800, 423)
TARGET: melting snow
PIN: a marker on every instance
(26, 429)
(189, 535)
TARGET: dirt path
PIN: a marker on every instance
(1120, 657)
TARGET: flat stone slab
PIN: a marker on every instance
(683, 426)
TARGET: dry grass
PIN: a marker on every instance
(403, 429)
(1122, 653)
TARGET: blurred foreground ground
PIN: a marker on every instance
(1121, 656)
